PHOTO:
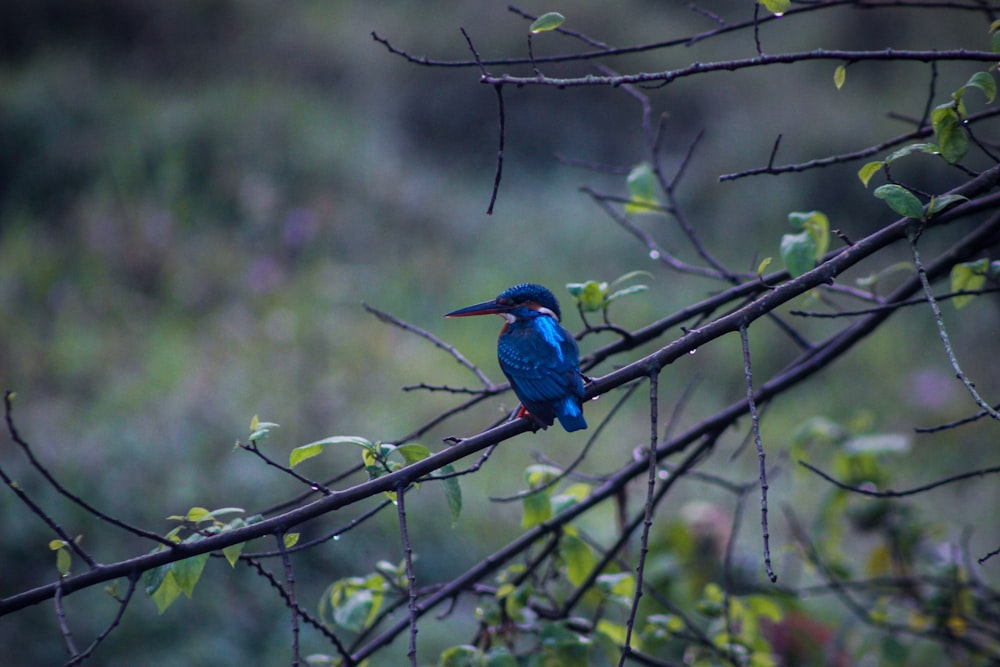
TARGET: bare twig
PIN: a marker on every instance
(762, 468)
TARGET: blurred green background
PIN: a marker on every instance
(197, 196)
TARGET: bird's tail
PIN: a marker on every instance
(570, 414)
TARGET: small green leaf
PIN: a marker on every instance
(499, 656)
(166, 593)
(232, 553)
(620, 585)
(413, 453)
(818, 226)
(540, 474)
(187, 572)
(839, 76)
(952, 139)
(641, 184)
(798, 252)
(763, 265)
(592, 296)
(290, 540)
(625, 291)
(984, 81)
(995, 42)
(260, 430)
(765, 606)
(878, 443)
(931, 149)
(900, 200)
(537, 509)
(578, 557)
(452, 493)
(197, 514)
(353, 612)
(776, 7)
(461, 656)
(616, 632)
(546, 22)
(866, 172)
(303, 452)
(938, 204)
(63, 561)
(968, 277)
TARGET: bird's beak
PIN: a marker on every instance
(485, 308)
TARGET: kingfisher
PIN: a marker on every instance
(539, 357)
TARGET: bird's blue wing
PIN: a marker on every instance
(541, 360)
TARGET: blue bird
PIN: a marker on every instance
(538, 356)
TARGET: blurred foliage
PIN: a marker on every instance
(196, 196)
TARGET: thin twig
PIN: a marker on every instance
(286, 561)
(647, 519)
(406, 326)
(913, 235)
(411, 579)
(889, 493)
(122, 606)
(755, 424)
(66, 493)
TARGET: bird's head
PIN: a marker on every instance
(507, 304)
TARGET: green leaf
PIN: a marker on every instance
(995, 42)
(866, 172)
(187, 572)
(776, 7)
(452, 493)
(839, 76)
(303, 452)
(413, 453)
(938, 204)
(798, 252)
(232, 553)
(355, 610)
(578, 557)
(625, 291)
(900, 200)
(878, 443)
(546, 22)
(462, 656)
(764, 263)
(569, 497)
(621, 584)
(166, 592)
(592, 296)
(613, 631)
(63, 561)
(641, 184)
(818, 226)
(984, 81)
(765, 606)
(930, 149)
(260, 430)
(290, 540)
(540, 474)
(968, 277)
(951, 137)
(537, 509)
(499, 656)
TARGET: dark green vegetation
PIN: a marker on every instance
(196, 198)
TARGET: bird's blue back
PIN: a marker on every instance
(541, 361)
